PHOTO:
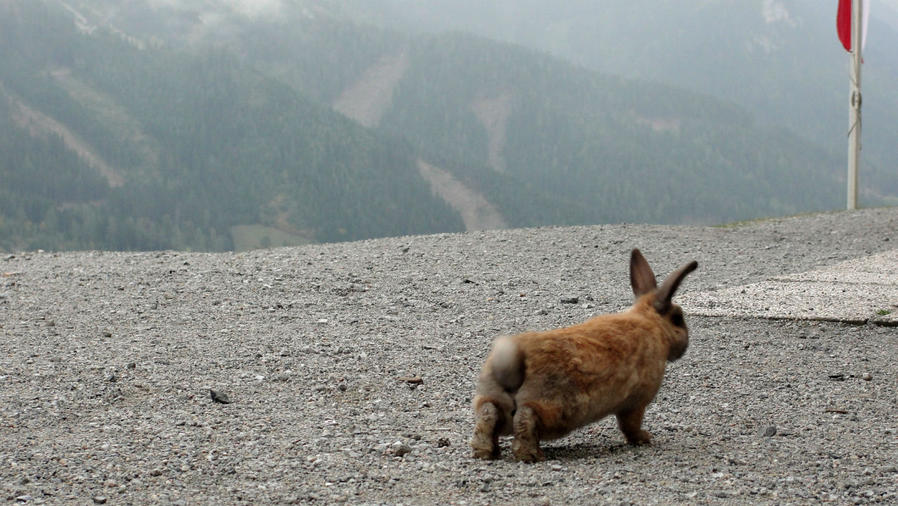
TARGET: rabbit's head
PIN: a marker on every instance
(655, 302)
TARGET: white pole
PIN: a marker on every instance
(854, 110)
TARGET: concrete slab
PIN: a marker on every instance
(856, 291)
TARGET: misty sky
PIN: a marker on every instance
(247, 7)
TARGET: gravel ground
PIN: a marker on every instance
(860, 290)
(350, 368)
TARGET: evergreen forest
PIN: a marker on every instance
(148, 127)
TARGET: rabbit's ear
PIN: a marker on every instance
(670, 285)
(642, 279)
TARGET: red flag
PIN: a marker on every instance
(843, 22)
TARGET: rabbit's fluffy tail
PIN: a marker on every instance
(508, 364)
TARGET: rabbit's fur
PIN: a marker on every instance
(543, 385)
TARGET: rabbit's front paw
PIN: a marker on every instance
(642, 437)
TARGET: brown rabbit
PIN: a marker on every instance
(543, 385)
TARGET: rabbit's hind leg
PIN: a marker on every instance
(485, 442)
(526, 435)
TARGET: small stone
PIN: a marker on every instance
(570, 300)
(100, 499)
(769, 431)
(837, 377)
(219, 397)
(443, 442)
(412, 380)
(107, 333)
(867, 376)
(401, 450)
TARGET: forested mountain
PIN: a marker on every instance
(185, 147)
(778, 59)
(221, 124)
(627, 150)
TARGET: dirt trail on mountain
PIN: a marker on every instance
(476, 212)
(493, 114)
(38, 123)
(110, 112)
(367, 99)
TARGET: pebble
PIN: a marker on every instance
(401, 449)
(219, 397)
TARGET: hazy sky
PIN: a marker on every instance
(248, 7)
(256, 7)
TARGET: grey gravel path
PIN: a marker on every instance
(349, 369)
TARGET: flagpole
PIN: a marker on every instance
(854, 105)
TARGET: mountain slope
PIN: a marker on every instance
(232, 126)
(779, 59)
(625, 150)
(581, 143)
(234, 147)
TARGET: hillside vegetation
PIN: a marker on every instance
(779, 59)
(155, 126)
(231, 147)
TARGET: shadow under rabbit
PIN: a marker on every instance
(602, 448)
(597, 450)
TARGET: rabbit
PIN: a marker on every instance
(543, 385)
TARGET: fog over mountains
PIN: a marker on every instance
(223, 124)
